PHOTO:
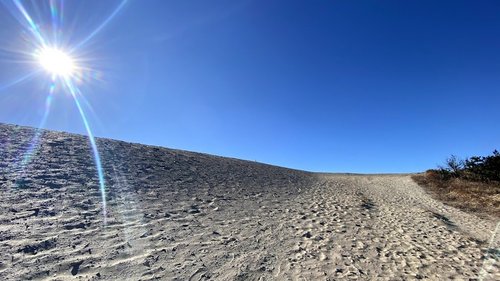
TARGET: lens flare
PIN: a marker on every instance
(56, 62)
(74, 91)
(18, 81)
(102, 25)
(489, 259)
(57, 59)
(36, 139)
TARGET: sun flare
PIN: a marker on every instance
(56, 62)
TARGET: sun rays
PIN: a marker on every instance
(59, 61)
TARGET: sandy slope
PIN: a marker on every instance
(176, 215)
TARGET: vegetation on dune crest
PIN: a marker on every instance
(476, 168)
(472, 184)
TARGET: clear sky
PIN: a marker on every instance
(334, 86)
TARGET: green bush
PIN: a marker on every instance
(475, 168)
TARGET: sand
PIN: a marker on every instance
(178, 215)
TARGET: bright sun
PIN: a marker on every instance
(56, 62)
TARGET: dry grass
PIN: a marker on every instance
(478, 197)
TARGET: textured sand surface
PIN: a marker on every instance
(177, 215)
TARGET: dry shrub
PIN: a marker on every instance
(482, 198)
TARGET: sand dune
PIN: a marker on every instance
(177, 215)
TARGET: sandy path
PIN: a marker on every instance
(387, 227)
(176, 215)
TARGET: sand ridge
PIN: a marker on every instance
(178, 215)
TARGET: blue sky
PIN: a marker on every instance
(334, 86)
